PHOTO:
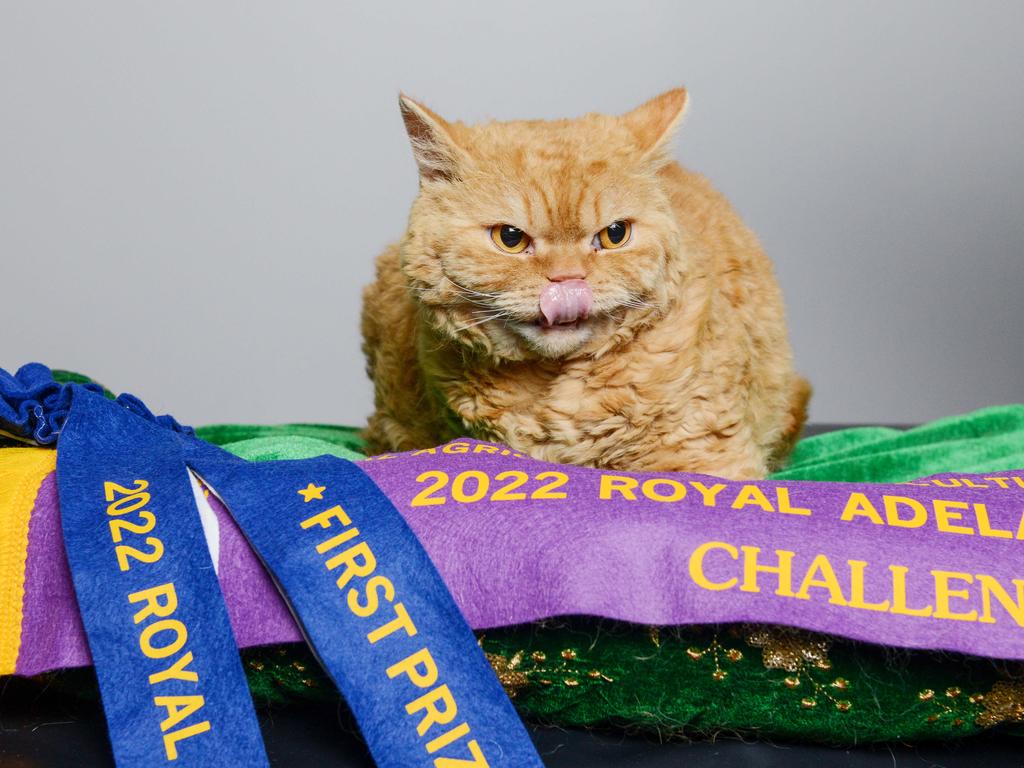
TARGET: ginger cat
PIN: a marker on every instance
(567, 289)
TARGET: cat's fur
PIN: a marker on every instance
(684, 363)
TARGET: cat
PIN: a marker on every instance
(567, 289)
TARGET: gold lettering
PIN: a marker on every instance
(649, 489)
(178, 708)
(153, 606)
(419, 667)
(828, 580)
(785, 507)
(989, 587)
(401, 621)
(857, 588)
(366, 565)
(341, 538)
(943, 594)
(697, 565)
(624, 485)
(474, 749)
(944, 513)
(899, 594)
(892, 513)
(164, 625)
(447, 738)
(985, 526)
(784, 570)
(751, 494)
(708, 494)
(372, 599)
(858, 505)
(433, 716)
(177, 671)
(171, 739)
(323, 519)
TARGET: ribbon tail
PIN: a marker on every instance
(374, 609)
(173, 688)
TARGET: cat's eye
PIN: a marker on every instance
(615, 235)
(510, 239)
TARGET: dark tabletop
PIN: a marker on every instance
(42, 727)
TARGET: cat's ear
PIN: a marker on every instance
(437, 154)
(654, 122)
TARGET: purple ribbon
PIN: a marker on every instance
(935, 564)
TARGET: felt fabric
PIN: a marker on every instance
(374, 608)
(666, 549)
(520, 540)
(988, 440)
(21, 476)
(585, 672)
(756, 681)
(49, 601)
(167, 594)
(258, 615)
(701, 681)
(158, 632)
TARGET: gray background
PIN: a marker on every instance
(192, 194)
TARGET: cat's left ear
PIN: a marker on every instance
(654, 122)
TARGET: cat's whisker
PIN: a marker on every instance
(496, 316)
(484, 304)
(462, 297)
(471, 291)
(634, 302)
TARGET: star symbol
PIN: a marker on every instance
(311, 492)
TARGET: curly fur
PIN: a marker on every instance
(684, 363)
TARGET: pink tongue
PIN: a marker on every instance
(565, 301)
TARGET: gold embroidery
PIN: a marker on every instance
(512, 679)
(714, 648)
(801, 654)
(515, 675)
(1003, 704)
(950, 704)
(789, 649)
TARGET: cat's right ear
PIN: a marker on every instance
(437, 154)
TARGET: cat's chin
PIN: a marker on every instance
(556, 340)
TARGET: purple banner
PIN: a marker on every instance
(935, 564)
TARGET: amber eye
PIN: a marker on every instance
(510, 239)
(615, 235)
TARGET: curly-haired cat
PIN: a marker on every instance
(567, 289)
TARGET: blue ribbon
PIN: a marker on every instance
(365, 593)
(172, 683)
(33, 406)
(375, 610)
